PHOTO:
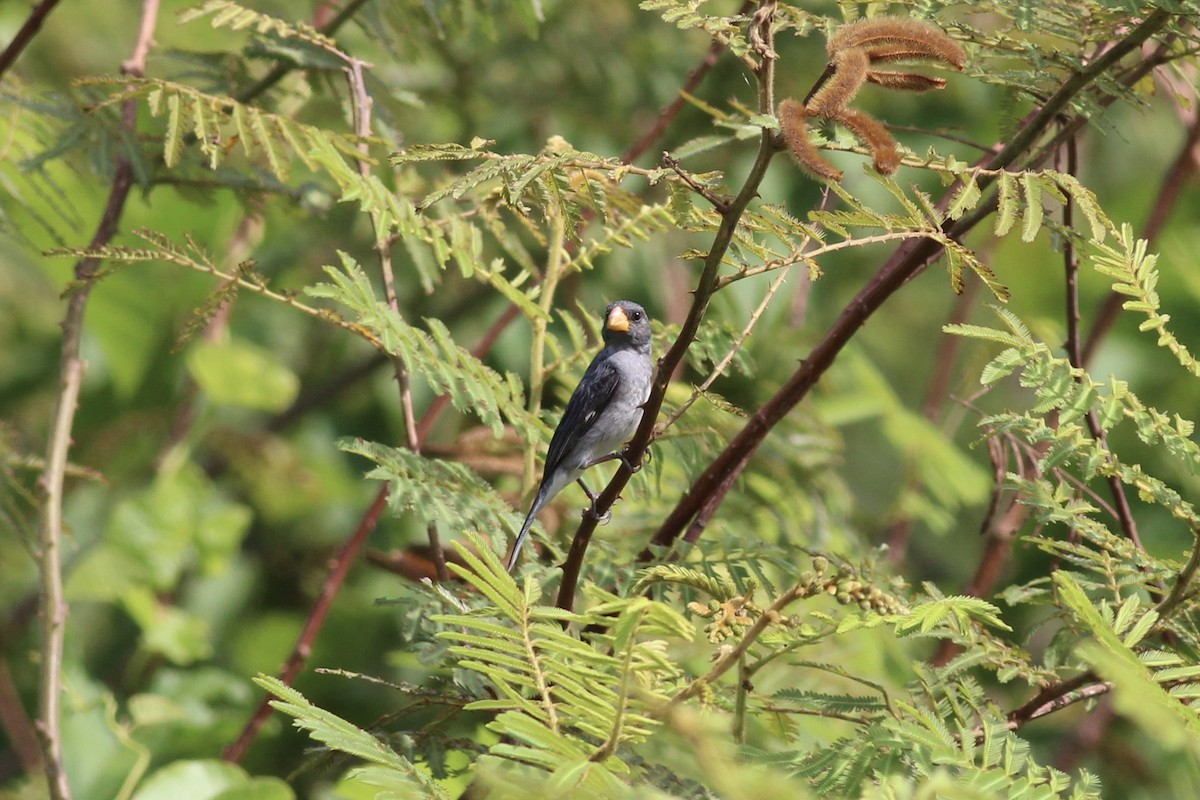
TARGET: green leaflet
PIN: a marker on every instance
(433, 355)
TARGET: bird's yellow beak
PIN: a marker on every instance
(617, 321)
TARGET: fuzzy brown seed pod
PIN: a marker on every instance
(907, 81)
(874, 136)
(892, 39)
(853, 50)
(850, 70)
(792, 116)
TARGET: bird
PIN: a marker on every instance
(603, 412)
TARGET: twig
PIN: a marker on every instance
(1071, 265)
(361, 104)
(279, 72)
(667, 115)
(339, 566)
(54, 607)
(705, 286)
(24, 36)
(1177, 177)
(1179, 591)
(816, 712)
(734, 349)
(1053, 698)
(1075, 353)
(721, 204)
(731, 657)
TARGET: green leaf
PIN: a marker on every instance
(433, 355)
(338, 734)
(196, 780)
(1135, 693)
(1032, 212)
(237, 373)
(436, 491)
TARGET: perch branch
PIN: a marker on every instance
(706, 285)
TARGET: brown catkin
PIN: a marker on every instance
(850, 70)
(891, 39)
(874, 136)
(908, 81)
(792, 123)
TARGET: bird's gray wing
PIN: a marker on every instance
(589, 400)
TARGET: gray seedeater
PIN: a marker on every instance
(603, 411)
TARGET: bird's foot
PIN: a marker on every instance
(629, 465)
(600, 519)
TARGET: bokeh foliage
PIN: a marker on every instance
(828, 632)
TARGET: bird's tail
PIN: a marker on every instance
(538, 502)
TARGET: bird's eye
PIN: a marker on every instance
(636, 315)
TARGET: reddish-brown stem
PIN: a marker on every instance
(24, 36)
(1071, 266)
(339, 566)
(1177, 177)
(667, 115)
(1048, 699)
(1075, 351)
(935, 400)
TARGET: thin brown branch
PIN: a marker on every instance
(280, 72)
(732, 656)
(705, 287)
(339, 566)
(17, 725)
(719, 203)
(24, 36)
(1177, 176)
(1179, 592)
(1071, 265)
(362, 103)
(1053, 698)
(71, 368)
(1075, 351)
(667, 115)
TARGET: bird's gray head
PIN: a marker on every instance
(625, 322)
